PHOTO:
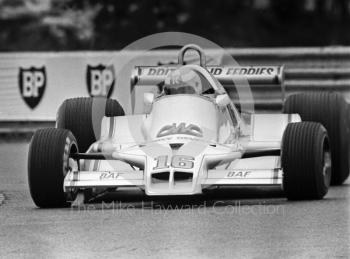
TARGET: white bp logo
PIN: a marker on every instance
(100, 80)
(32, 84)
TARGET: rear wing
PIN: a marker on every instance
(263, 80)
(255, 75)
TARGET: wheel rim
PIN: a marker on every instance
(327, 165)
(71, 165)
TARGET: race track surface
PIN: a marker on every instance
(233, 223)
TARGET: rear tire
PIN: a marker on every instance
(83, 116)
(331, 110)
(306, 161)
(48, 162)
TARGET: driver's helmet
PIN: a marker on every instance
(183, 81)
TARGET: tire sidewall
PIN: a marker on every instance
(48, 160)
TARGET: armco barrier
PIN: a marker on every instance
(32, 85)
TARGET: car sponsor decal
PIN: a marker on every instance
(181, 128)
(238, 174)
(32, 84)
(100, 80)
(216, 71)
(159, 71)
(109, 175)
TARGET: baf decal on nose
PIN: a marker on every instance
(32, 84)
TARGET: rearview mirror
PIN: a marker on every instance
(148, 98)
(222, 100)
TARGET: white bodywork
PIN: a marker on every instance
(186, 143)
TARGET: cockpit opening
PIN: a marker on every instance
(187, 81)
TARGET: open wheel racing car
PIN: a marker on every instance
(191, 138)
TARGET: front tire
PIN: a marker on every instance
(83, 116)
(306, 161)
(48, 164)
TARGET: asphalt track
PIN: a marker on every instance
(233, 223)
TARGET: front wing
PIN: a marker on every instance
(110, 179)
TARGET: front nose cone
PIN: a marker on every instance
(172, 169)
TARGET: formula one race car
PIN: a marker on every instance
(192, 138)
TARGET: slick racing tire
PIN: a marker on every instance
(83, 116)
(306, 161)
(331, 110)
(48, 164)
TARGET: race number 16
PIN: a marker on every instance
(183, 162)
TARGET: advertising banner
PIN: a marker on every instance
(33, 85)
